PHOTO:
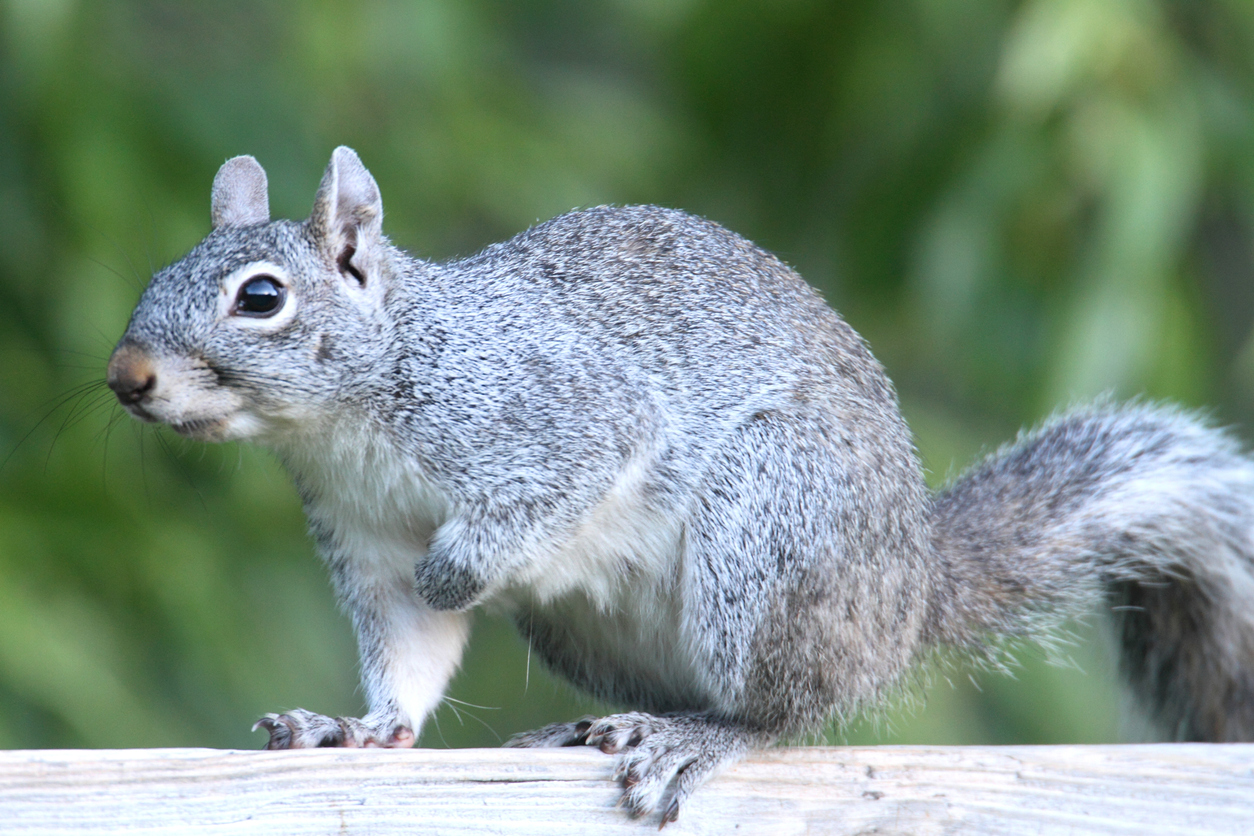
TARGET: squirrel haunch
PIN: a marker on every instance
(683, 472)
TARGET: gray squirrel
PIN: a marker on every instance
(685, 476)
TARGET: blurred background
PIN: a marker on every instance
(1018, 204)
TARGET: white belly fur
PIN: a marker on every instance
(614, 582)
(614, 586)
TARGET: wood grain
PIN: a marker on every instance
(1133, 789)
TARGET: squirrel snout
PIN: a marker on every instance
(132, 375)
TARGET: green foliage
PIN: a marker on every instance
(1016, 203)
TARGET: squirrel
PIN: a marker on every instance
(681, 471)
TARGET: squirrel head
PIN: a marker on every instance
(265, 326)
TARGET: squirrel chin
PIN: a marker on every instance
(239, 426)
(204, 429)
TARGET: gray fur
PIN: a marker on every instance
(1143, 505)
(684, 474)
(240, 195)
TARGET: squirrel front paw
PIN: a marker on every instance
(301, 729)
(446, 577)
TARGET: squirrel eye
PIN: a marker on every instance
(260, 296)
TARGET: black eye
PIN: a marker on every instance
(260, 296)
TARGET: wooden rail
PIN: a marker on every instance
(1133, 789)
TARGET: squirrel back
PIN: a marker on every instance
(685, 475)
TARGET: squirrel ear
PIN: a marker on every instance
(240, 196)
(348, 207)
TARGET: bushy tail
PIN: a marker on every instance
(1143, 507)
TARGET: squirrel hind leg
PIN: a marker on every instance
(804, 596)
(661, 760)
(301, 729)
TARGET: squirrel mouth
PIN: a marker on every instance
(142, 414)
(203, 429)
(200, 429)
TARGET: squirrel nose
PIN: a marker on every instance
(132, 375)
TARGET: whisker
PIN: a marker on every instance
(143, 460)
(104, 457)
(152, 231)
(456, 713)
(75, 414)
(134, 278)
(479, 720)
(56, 403)
(115, 417)
(472, 705)
(435, 719)
(128, 279)
(177, 459)
(105, 338)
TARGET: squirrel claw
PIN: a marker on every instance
(557, 734)
(300, 729)
(402, 737)
(280, 733)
